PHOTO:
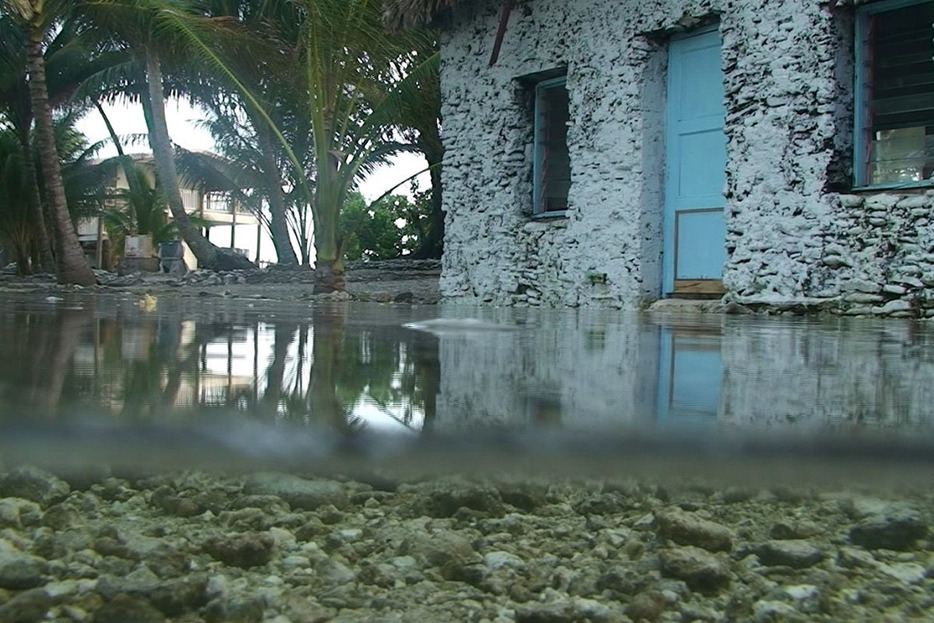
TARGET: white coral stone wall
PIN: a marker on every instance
(792, 237)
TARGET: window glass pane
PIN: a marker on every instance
(900, 83)
(554, 166)
(901, 155)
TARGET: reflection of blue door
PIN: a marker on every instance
(695, 233)
(690, 376)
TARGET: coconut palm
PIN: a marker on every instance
(17, 114)
(37, 18)
(69, 62)
(139, 30)
(15, 223)
(351, 86)
(83, 181)
(253, 168)
(270, 31)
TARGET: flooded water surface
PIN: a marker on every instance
(212, 460)
(252, 380)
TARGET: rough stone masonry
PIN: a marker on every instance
(796, 234)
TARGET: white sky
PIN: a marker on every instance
(182, 121)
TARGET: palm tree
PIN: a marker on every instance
(351, 94)
(252, 167)
(16, 233)
(138, 27)
(269, 30)
(17, 114)
(38, 18)
(419, 119)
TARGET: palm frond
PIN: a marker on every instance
(402, 14)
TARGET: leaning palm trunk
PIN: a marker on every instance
(208, 254)
(164, 157)
(72, 266)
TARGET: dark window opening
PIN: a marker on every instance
(896, 94)
(552, 176)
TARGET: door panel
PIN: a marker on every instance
(696, 256)
(694, 230)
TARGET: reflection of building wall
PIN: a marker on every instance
(812, 375)
(573, 370)
(589, 370)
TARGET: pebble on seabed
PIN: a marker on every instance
(194, 547)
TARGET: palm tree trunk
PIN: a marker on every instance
(329, 265)
(164, 157)
(432, 246)
(36, 217)
(71, 264)
(278, 225)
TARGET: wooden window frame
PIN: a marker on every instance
(542, 87)
(862, 141)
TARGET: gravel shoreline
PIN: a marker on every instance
(389, 281)
(273, 547)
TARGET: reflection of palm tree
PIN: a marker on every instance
(69, 325)
(326, 406)
(142, 389)
(427, 369)
(275, 374)
(391, 370)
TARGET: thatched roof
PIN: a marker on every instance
(400, 14)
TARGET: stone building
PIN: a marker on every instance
(615, 152)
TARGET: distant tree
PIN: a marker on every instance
(270, 32)
(83, 181)
(16, 233)
(385, 229)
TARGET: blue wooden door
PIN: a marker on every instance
(695, 162)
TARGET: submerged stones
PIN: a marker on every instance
(19, 571)
(26, 607)
(242, 550)
(455, 549)
(897, 531)
(449, 552)
(300, 493)
(794, 553)
(687, 529)
(699, 569)
(31, 483)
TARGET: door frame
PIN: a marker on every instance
(670, 230)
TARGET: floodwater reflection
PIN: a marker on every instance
(352, 367)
